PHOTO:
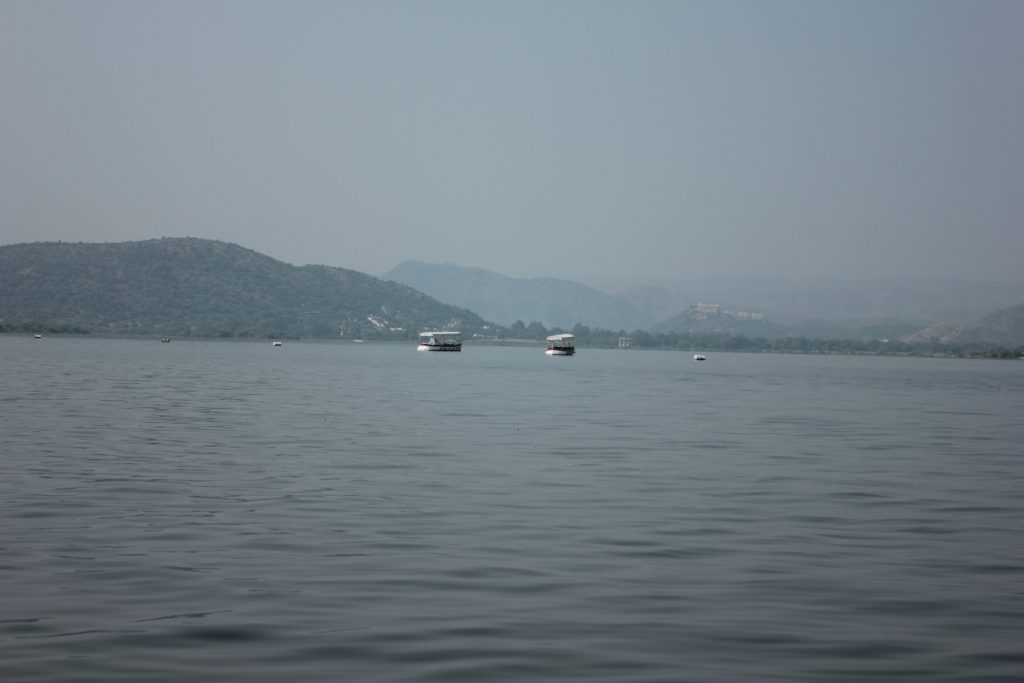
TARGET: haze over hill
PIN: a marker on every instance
(553, 302)
(798, 300)
(759, 307)
(190, 286)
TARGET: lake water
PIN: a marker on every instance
(328, 511)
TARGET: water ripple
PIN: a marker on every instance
(208, 510)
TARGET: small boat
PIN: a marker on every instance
(165, 340)
(561, 345)
(440, 341)
(277, 343)
(699, 356)
(37, 336)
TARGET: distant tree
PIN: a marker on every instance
(643, 339)
(536, 330)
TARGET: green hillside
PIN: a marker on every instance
(198, 287)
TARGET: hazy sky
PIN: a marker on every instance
(560, 137)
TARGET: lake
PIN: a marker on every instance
(218, 510)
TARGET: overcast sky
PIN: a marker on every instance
(552, 138)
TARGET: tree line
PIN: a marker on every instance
(594, 337)
(729, 341)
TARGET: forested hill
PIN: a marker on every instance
(198, 287)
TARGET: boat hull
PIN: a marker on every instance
(561, 352)
(439, 347)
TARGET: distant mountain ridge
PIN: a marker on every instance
(791, 300)
(552, 302)
(818, 308)
(192, 286)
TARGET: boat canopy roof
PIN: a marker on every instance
(448, 333)
(561, 337)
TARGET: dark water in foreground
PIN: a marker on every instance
(322, 512)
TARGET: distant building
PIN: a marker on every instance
(625, 342)
(708, 309)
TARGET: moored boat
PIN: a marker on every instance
(699, 356)
(561, 345)
(440, 341)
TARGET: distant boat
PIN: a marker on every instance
(277, 343)
(165, 340)
(561, 345)
(440, 341)
(37, 336)
(358, 341)
(699, 356)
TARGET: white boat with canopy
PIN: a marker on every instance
(440, 341)
(561, 345)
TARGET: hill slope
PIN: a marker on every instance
(1004, 327)
(504, 299)
(190, 286)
